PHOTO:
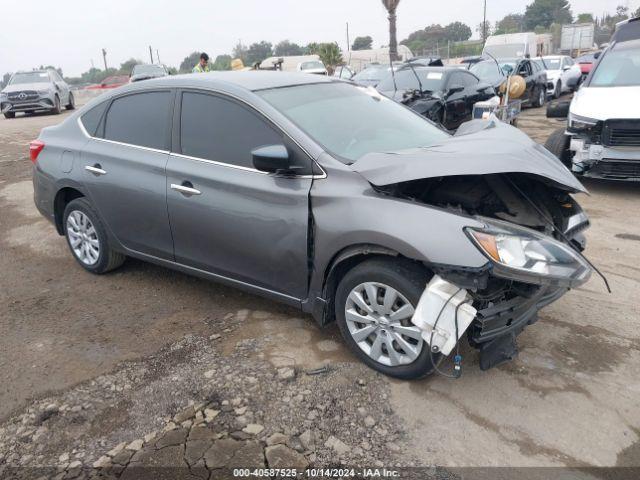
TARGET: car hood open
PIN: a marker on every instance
(479, 147)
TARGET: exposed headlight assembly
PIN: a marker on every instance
(526, 255)
(577, 123)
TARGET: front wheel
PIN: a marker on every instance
(540, 98)
(72, 102)
(374, 305)
(558, 144)
(558, 90)
(56, 106)
(87, 238)
(9, 114)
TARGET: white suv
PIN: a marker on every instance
(563, 74)
(604, 118)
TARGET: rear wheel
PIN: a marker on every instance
(558, 144)
(10, 115)
(374, 304)
(87, 238)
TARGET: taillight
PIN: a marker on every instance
(35, 147)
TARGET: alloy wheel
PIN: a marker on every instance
(379, 320)
(83, 238)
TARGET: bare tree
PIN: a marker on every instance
(391, 6)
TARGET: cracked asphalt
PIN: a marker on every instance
(569, 399)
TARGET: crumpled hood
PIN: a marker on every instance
(19, 87)
(479, 147)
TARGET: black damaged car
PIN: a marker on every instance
(444, 95)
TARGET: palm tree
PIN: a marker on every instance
(391, 6)
(330, 55)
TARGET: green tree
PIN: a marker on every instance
(392, 6)
(127, 66)
(484, 30)
(285, 48)
(311, 49)
(584, 18)
(545, 12)
(258, 51)
(189, 62)
(240, 51)
(223, 62)
(330, 55)
(511, 23)
(457, 32)
(362, 43)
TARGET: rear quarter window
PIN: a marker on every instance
(91, 119)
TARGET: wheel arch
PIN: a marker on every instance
(343, 261)
(60, 202)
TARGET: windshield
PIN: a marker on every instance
(150, 69)
(351, 121)
(620, 67)
(30, 77)
(311, 65)
(507, 50)
(487, 71)
(552, 63)
(432, 80)
(372, 73)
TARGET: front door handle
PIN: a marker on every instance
(95, 169)
(186, 188)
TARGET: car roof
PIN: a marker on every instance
(247, 80)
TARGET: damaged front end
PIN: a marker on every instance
(531, 235)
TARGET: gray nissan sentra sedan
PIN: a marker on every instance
(326, 196)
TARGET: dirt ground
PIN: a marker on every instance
(569, 399)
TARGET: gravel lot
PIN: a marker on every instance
(91, 365)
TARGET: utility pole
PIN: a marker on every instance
(484, 23)
(104, 57)
(348, 41)
(151, 53)
(158, 56)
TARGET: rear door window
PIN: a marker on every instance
(140, 119)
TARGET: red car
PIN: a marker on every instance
(586, 62)
(110, 82)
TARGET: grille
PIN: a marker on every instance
(621, 133)
(24, 96)
(617, 168)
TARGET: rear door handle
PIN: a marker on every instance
(186, 189)
(95, 169)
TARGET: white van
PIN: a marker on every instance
(511, 45)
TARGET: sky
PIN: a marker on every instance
(71, 33)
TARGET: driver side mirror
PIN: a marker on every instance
(271, 159)
(455, 88)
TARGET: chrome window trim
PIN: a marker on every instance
(214, 162)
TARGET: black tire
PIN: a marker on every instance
(558, 144)
(10, 115)
(408, 279)
(557, 92)
(72, 102)
(540, 97)
(108, 259)
(57, 109)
